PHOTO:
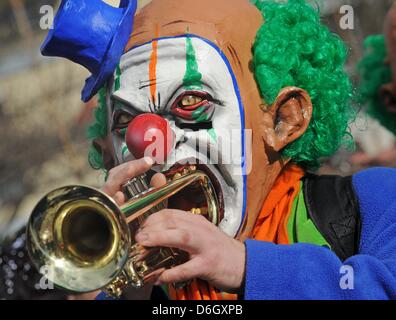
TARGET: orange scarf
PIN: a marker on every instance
(271, 226)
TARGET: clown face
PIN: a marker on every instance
(189, 82)
(195, 72)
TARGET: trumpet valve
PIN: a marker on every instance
(115, 288)
(177, 176)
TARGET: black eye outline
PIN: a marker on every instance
(119, 108)
(117, 115)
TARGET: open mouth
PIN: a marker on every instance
(192, 198)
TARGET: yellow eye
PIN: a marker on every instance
(123, 119)
(189, 101)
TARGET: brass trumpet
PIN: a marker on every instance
(82, 241)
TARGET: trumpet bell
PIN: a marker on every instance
(78, 238)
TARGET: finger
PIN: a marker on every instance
(187, 271)
(160, 227)
(172, 238)
(119, 198)
(154, 276)
(164, 219)
(121, 174)
(158, 180)
(129, 170)
(171, 222)
(172, 218)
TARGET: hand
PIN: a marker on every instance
(214, 256)
(125, 172)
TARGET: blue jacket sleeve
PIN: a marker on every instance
(304, 271)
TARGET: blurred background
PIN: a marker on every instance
(43, 123)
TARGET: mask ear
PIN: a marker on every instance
(289, 118)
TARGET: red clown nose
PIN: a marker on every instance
(150, 135)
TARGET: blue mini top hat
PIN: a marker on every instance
(92, 34)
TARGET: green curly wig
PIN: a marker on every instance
(293, 48)
(97, 130)
(373, 74)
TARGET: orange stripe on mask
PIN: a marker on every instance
(153, 67)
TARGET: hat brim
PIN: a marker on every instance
(113, 53)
